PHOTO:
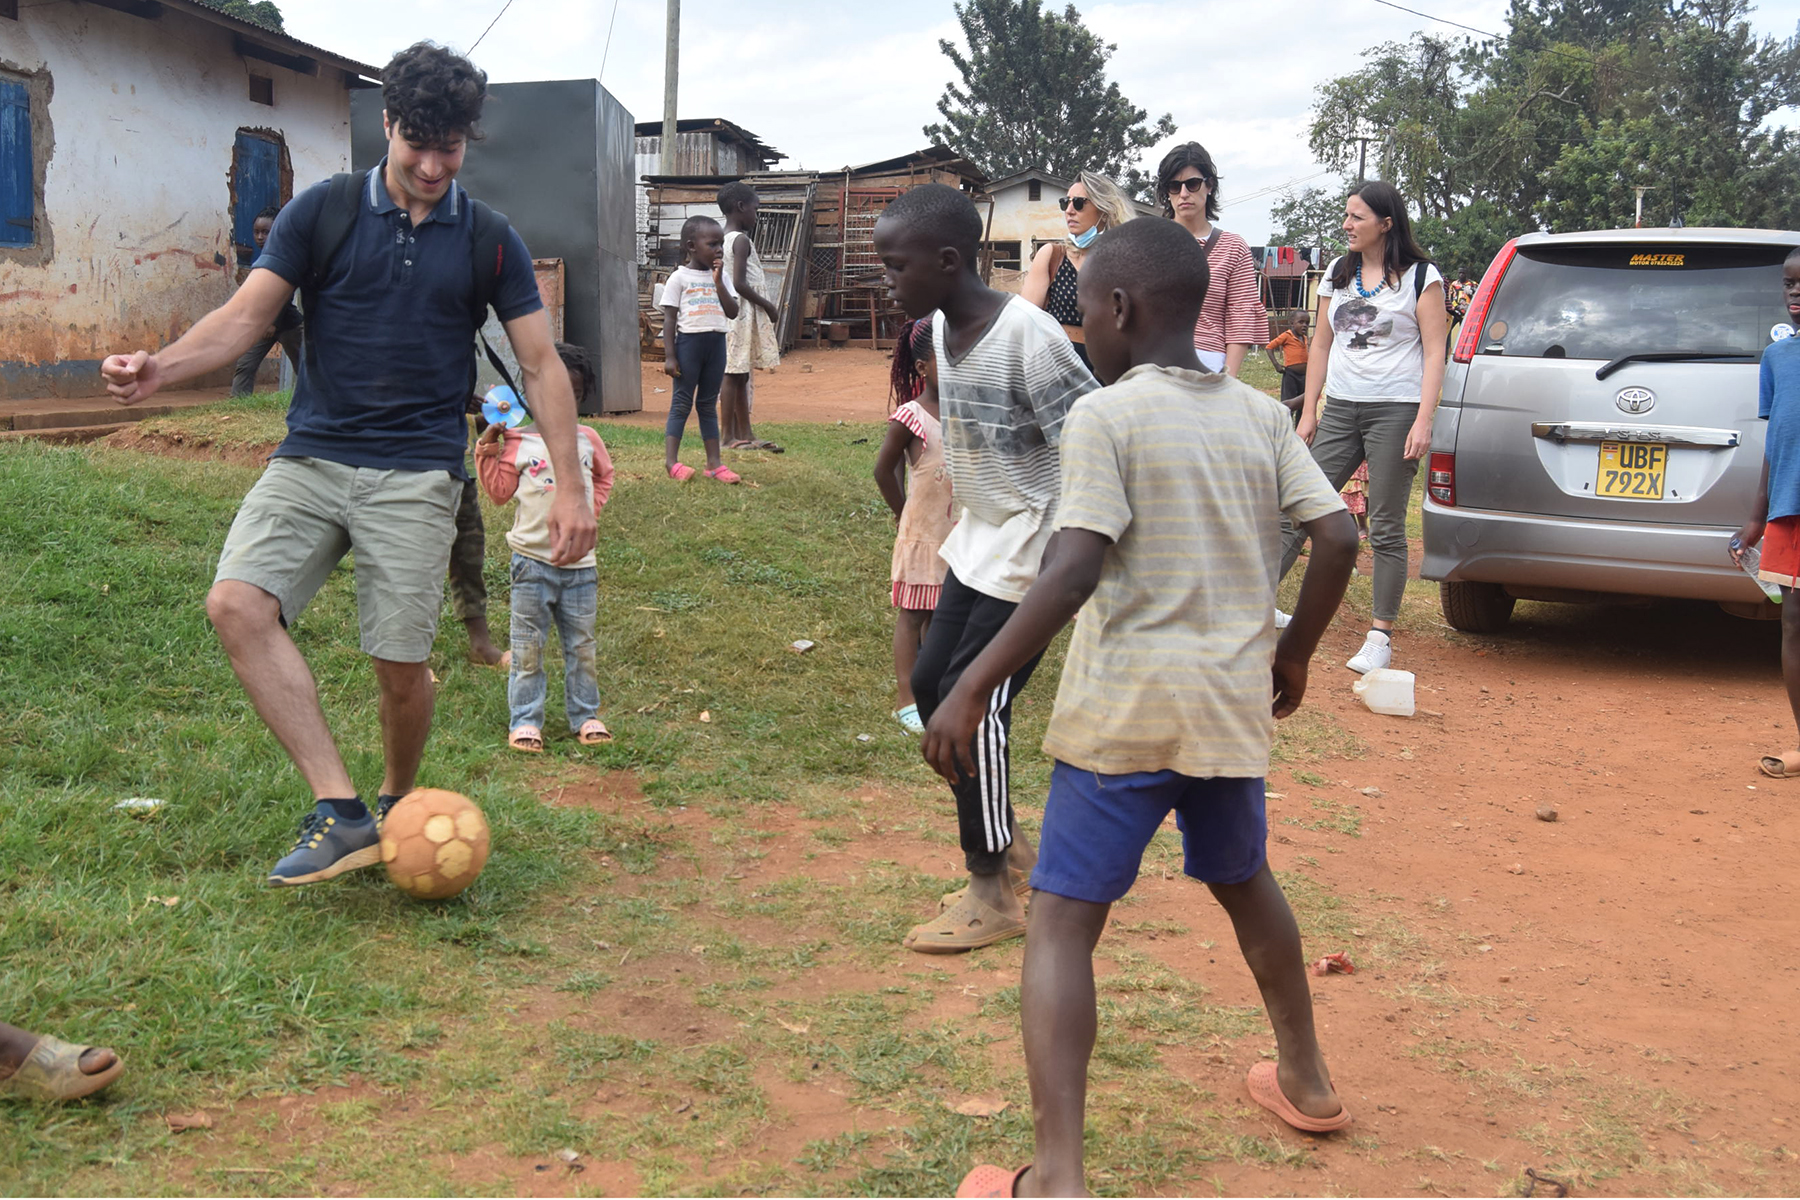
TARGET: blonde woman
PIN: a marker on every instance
(1094, 204)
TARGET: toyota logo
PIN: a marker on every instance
(1635, 400)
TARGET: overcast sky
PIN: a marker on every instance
(831, 84)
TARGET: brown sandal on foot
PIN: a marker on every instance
(52, 1072)
(966, 925)
(1781, 766)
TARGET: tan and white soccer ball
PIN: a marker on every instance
(434, 843)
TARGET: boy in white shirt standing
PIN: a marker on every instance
(1007, 375)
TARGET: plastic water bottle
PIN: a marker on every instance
(1386, 691)
(1751, 562)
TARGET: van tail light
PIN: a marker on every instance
(1476, 317)
(1440, 479)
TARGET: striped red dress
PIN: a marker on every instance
(918, 572)
(1233, 311)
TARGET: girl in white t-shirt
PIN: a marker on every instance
(698, 307)
(1377, 358)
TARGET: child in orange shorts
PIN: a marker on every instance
(1775, 515)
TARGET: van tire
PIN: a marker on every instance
(1475, 607)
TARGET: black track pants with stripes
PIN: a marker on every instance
(964, 622)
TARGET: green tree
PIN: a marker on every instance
(1034, 93)
(1312, 217)
(1552, 124)
(257, 12)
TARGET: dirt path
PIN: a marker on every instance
(1606, 991)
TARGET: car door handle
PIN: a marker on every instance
(1668, 435)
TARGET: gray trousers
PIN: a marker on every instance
(243, 379)
(1348, 433)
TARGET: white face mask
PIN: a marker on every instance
(1084, 240)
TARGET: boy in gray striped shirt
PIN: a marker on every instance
(1007, 375)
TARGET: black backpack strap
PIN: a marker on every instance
(487, 259)
(1418, 281)
(336, 216)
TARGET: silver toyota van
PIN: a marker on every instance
(1598, 436)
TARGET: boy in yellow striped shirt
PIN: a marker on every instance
(1168, 542)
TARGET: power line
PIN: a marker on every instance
(491, 24)
(604, 53)
(1582, 58)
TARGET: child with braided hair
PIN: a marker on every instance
(914, 446)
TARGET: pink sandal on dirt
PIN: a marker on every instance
(681, 472)
(1265, 1089)
(528, 738)
(723, 474)
(592, 732)
(990, 1182)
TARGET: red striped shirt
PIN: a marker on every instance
(1233, 311)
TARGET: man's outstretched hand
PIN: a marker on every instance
(131, 377)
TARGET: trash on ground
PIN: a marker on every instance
(1335, 964)
(801, 646)
(1386, 691)
(980, 1106)
(138, 804)
(706, 716)
(181, 1122)
(864, 738)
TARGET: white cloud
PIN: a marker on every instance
(832, 84)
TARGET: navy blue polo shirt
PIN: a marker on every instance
(389, 358)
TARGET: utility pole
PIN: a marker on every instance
(1640, 204)
(671, 58)
(1362, 158)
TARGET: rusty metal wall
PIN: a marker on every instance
(557, 159)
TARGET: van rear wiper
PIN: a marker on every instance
(1671, 356)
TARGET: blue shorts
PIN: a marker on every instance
(1096, 827)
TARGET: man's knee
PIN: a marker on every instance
(236, 608)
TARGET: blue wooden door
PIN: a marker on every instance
(16, 226)
(256, 161)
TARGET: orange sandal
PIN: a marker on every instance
(1265, 1089)
(528, 738)
(989, 1182)
(592, 732)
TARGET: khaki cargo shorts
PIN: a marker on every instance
(305, 514)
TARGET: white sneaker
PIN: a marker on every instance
(1377, 652)
(1283, 620)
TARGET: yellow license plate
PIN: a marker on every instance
(1632, 470)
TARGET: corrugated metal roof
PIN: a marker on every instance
(718, 125)
(274, 39)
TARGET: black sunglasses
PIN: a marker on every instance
(1184, 185)
(1076, 202)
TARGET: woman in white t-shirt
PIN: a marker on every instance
(1378, 359)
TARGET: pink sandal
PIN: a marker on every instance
(528, 738)
(723, 474)
(681, 472)
(593, 731)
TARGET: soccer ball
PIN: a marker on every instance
(434, 843)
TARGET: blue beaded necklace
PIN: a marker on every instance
(1365, 293)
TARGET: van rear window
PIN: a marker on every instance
(1605, 300)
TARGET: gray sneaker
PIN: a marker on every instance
(327, 847)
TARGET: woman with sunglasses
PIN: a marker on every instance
(1093, 205)
(1233, 318)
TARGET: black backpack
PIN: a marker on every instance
(338, 214)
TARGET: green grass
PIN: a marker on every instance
(641, 976)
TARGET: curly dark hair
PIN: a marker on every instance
(269, 213)
(433, 95)
(735, 195)
(1188, 154)
(577, 359)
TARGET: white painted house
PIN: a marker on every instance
(138, 141)
(1025, 216)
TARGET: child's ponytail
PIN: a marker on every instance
(907, 378)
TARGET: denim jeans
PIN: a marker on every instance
(701, 357)
(1349, 433)
(543, 595)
